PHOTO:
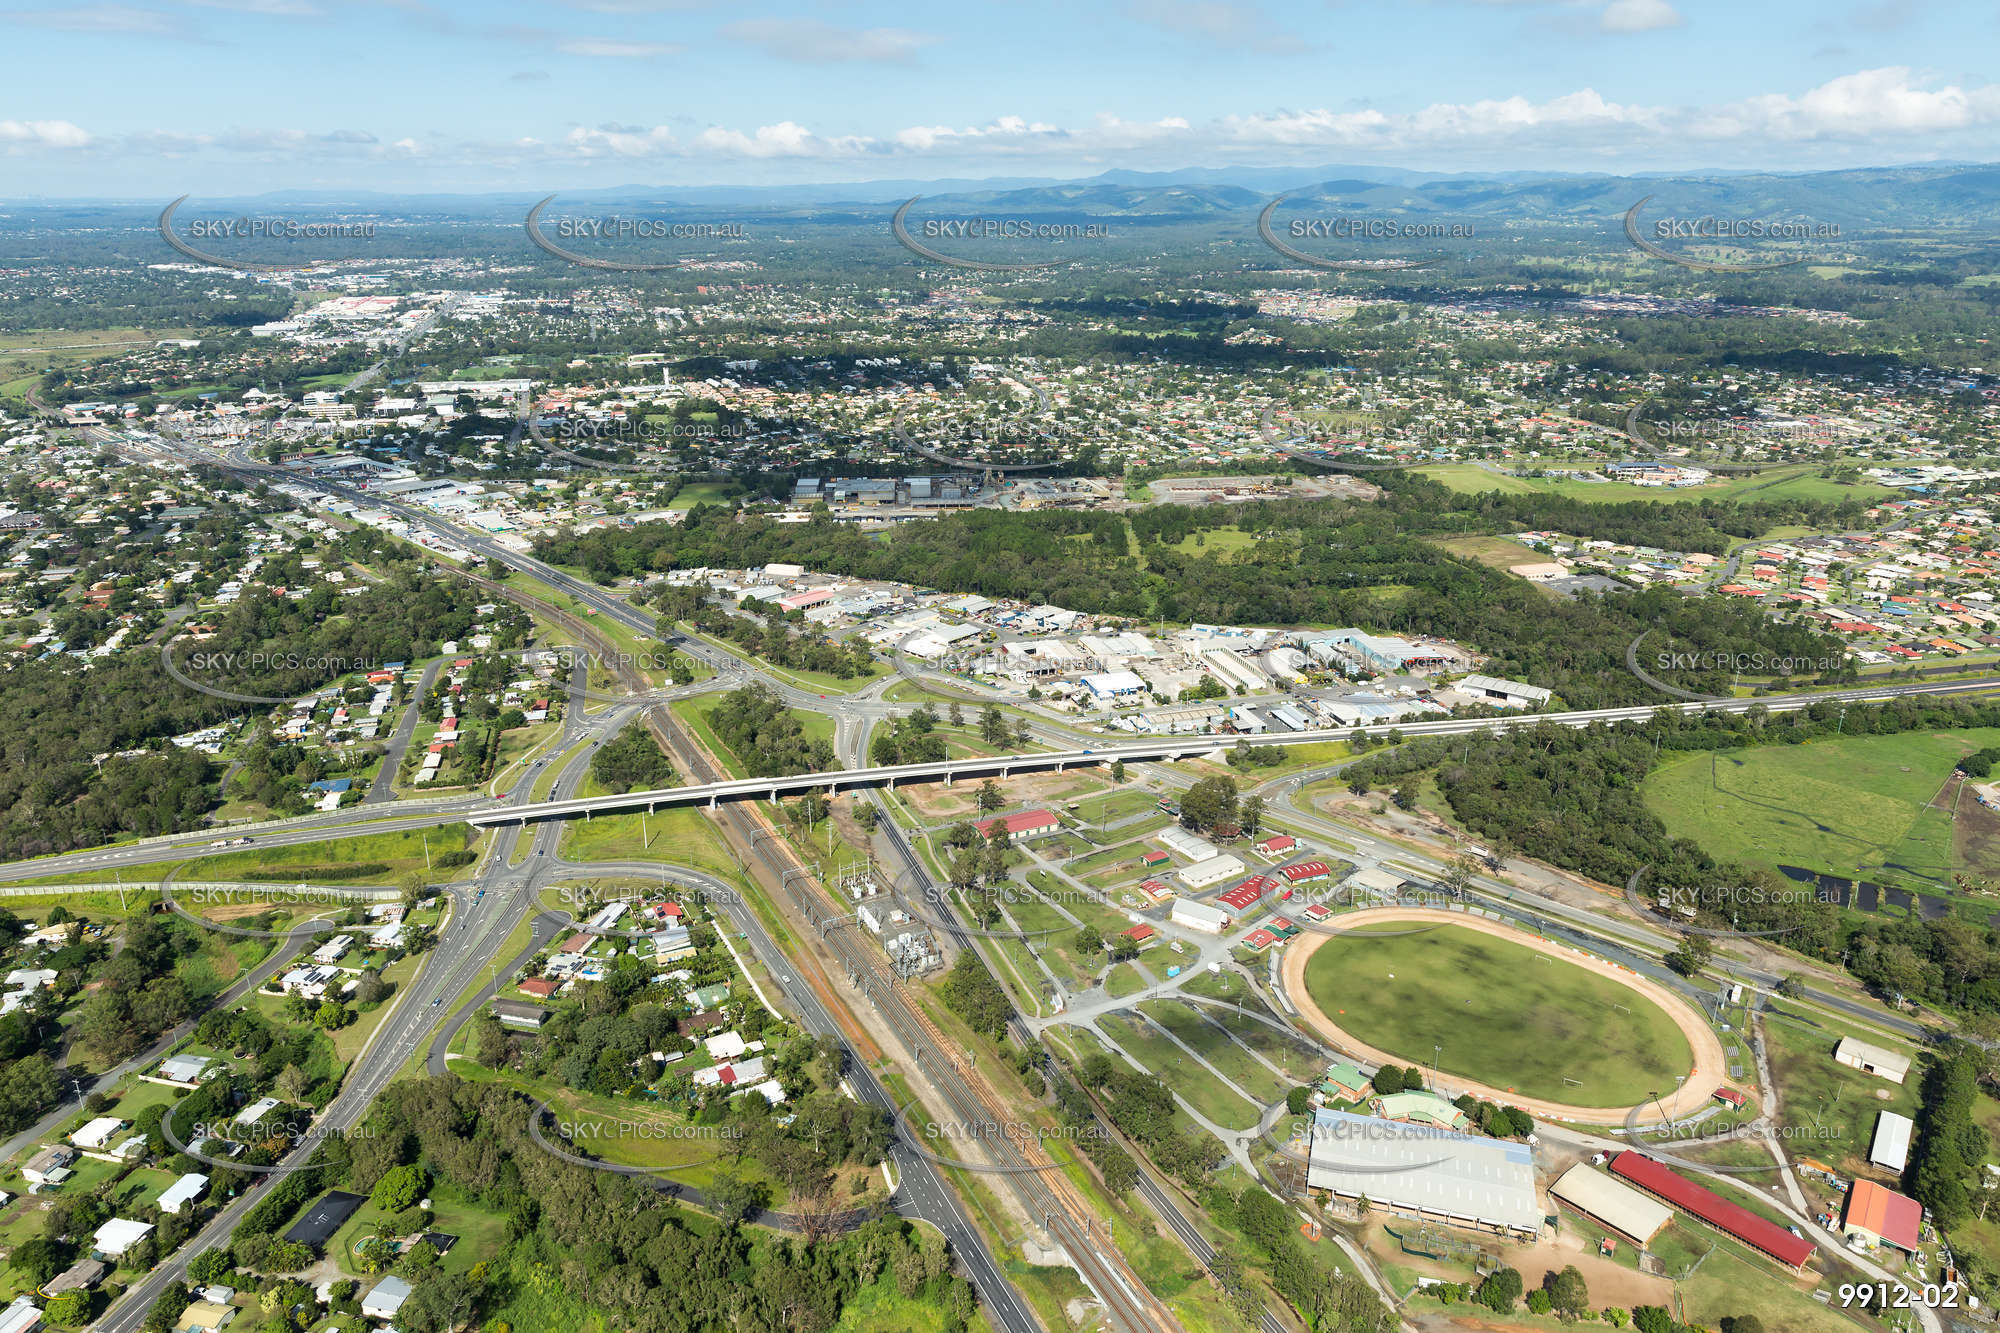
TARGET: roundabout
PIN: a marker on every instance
(1504, 1015)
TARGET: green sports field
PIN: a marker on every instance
(1858, 807)
(1503, 1015)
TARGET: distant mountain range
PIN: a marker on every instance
(1956, 194)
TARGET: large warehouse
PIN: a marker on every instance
(1207, 874)
(1612, 1203)
(1488, 1184)
(1700, 1202)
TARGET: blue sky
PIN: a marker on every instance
(137, 98)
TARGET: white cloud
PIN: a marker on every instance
(1639, 16)
(43, 134)
(615, 48)
(814, 43)
(103, 19)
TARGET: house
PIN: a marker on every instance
(520, 1015)
(385, 1299)
(79, 1276)
(204, 1317)
(1872, 1059)
(254, 1113)
(182, 1192)
(23, 1316)
(1278, 844)
(1020, 827)
(539, 987)
(119, 1235)
(50, 1166)
(725, 1045)
(1882, 1217)
(1346, 1082)
(94, 1136)
(186, 1068)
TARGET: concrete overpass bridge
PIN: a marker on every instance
(1150, 750)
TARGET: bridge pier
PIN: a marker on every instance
(712, 798)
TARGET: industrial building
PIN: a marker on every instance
(1199, 916)
(1891, 1145)
(1881, 1216)
(1705, 1205)
(1612, 1203)
(1205, 874)
(1872, 1059)
(1430, 1174)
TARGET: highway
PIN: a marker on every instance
(419, 1027)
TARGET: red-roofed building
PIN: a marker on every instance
(1140, 933)
(1244, 895)
(1157, 890)
(1316, 912)
(1260, 939)
(1882, 1216)
(1027, 824)
(1152, 859)
(1305, 872)
(1704, 1204)
(539, 987)
(1731, 1097)
(1277, 844)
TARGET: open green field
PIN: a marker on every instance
(1797, 483)
(1207, 1094)
(1858, 806)
(1505, 1015)
(1828, 1110)
(401, 851)
(1497, 552)
(680, 833)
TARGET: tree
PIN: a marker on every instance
(1691, 955)
(1210, 802)
(439, 1302)
(330, 1015)
(1501, 1291)
(1117, 770)
(1251, 813)
(69, 1309)
(1568, 1293)
(1298, 1100)
(1458, 876)
(732, 1198)
(399, 1188)
(989, 797)
(211, 1266)
(291, 1083)
(866, 816)
(489, 1041)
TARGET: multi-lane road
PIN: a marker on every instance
(480, 922)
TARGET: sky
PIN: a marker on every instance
(135, 99)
